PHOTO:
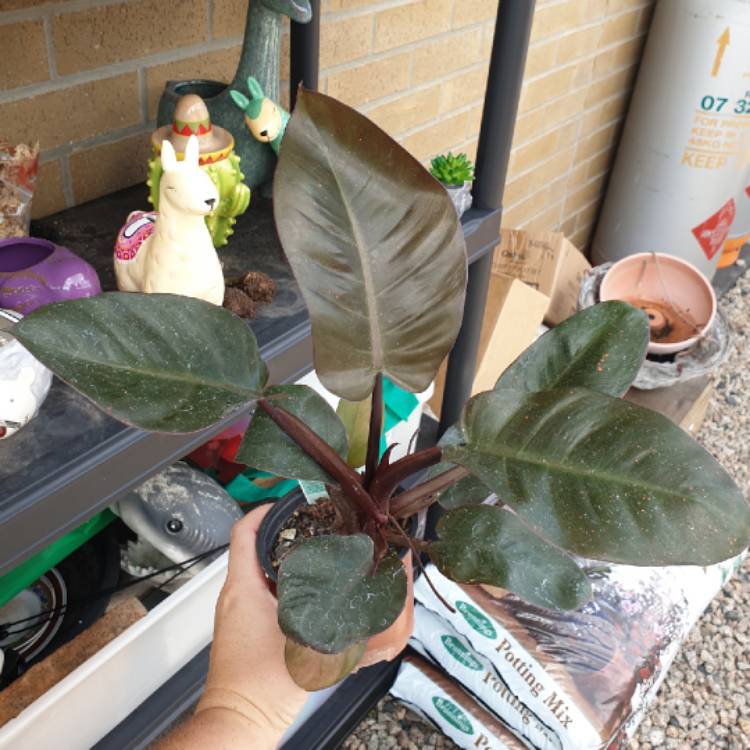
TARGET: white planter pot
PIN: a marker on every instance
(460, 195)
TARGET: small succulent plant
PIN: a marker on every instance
(452, 169)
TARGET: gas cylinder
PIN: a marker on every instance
(678, 168)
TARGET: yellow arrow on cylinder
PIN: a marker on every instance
(723, 42)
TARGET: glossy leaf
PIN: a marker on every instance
(486, 544)
(158, 361)
(267, 448)
(601, 348)
(603, 478)
(312, 670)
(355, 416)
(376, 248)
(328, 598)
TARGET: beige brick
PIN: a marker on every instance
(554, 19)
(539, 59)
(622, 55)
(218, 65)
(345, 40)
(549, 221)
(437, 138)
(563, 109)
(24, 54)
(470, 148)
(474, 11)
(73, 113)
(620, 27)
(618, 6)
(110, 33)
(568, 226)
(419, 19)
(545, 89)
(600, 164)
(552, 171)
(577, 44)
(331, 6)
(229, 18)
(615, 83)
(103, 169)
(567, 134)
(577, 176)
(528, 127)
(581, 238)
(442, 57)
(474, 120)
(488, 35)
(517, 190)
(406, 112)
(284, 57)
(610, 110)
(533, 153)
(597, 142)
(463, 89)
(49, 196)
(591, 191)
(372, 80)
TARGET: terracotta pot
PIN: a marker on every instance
(36, 272)
(677, 297)
(384, 646)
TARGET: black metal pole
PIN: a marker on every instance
(305, 54)
(509, 48)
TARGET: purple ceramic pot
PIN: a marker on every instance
(36, 272)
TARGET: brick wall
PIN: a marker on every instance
(84, 77)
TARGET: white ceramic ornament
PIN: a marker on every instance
(172, 251)
(24, 381)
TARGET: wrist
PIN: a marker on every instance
(227, 703)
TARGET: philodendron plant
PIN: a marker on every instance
(378, 253)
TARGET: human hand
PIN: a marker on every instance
(247, 676)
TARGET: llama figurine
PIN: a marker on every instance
(172, 251)
(265, 119)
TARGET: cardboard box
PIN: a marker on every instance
(512, 317)
(546, 261)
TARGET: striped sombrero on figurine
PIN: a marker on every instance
(191, 118)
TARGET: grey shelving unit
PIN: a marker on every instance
(73, 460)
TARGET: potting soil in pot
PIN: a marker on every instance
(567, 680)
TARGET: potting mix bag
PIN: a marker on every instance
(567, 680)
(442, 703)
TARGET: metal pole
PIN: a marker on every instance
(305, 54)
(509, 48)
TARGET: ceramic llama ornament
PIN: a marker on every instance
(172, 251)
(265, 119)
(24, 380)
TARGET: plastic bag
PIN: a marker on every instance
(444, 705)
(18, 170)
(583, 679)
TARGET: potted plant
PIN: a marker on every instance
(379, 256)
(456, 172)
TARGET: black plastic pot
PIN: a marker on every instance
(283, 508)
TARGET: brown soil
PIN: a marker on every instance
(668, 324)
(243, 295)
(306, 522)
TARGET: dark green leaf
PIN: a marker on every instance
(601, 348)
(312, 670)
(603, 478)
(329, 600)
(158, 361)
(376, 248)
(467, 491)
(267, 448)
(485, 544)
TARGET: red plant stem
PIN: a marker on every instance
(327, 458)
(386, 481)
(413, 500)
(418, 560)
(376, 427)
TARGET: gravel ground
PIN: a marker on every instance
(704, 702)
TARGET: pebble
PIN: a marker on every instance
(702, 704)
